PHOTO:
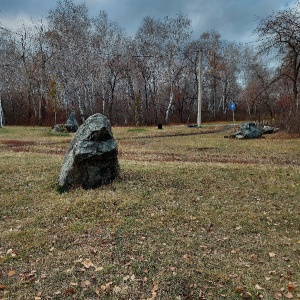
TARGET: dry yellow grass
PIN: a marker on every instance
(192, 216)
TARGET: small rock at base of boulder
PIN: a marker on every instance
(59, 128)
(269, 129)
(92, 158)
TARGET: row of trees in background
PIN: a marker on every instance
(85, 65)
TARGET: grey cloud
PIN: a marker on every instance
(235, 20)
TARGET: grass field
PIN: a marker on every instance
(193, 215)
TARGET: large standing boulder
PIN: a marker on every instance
(92, 158)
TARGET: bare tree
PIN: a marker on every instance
(260, 90)
(69, 37)
(147, 61)
(1, 111)
(221, 72)
(110, 47)
(281, 35)
(178, 36)
(20, 74)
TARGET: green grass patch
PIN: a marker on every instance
(137, 129)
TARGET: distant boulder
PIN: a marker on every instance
(72, 124)
(249, 130)
(92, 158)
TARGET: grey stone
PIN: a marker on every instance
(250, 131)
(269, 129)
(92, 158)
(59, 128)
(72, 124)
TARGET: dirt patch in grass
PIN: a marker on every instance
(193, 154)
(48, 147)
(17, 143)
(208, 155)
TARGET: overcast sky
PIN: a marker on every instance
(235, 20)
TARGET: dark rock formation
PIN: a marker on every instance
(72, 124)
(249, 130)
(92, 158)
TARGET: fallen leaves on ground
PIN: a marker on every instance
(87, 263)
(258, 287)
(11, 273)
(289, 295)
(106, 287)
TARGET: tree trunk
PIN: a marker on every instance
(171, 99)
(1, 113)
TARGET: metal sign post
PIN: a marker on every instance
(199, 88)
(232, 108)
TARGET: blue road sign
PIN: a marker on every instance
(232, 106)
